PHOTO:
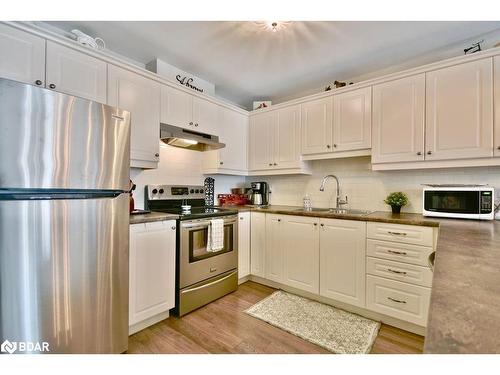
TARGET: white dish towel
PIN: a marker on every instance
(215, 240)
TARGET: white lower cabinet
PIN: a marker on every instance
(397, 299)
(275, 247)
(257, 243)
(301, 252)
(342, 260)
(243, 244)
(152, 273)
(349, 261)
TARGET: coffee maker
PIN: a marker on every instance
(260, 193)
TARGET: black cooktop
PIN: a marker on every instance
(197, 212)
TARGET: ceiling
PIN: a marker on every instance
(247, 62)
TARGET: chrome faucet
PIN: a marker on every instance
(339, 201)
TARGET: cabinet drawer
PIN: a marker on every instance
(408, 273)
(411, 234)
(399, 300)
(400, 252)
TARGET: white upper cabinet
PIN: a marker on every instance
(301, 252)
(275, 142)
(261, 140)
(141, 97)
(398, 120)
(352, 120)
(179, 108)
(317, 126)
(287, 138)
(205, 116)
(75, 73)
(497, 105)
(23, 56)
(176, 107)
(459, 111)
(342, 260)
(232, 129)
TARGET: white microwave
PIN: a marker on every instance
(459, 201)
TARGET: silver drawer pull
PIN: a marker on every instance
(397, 233)
(396, 252)
(398, 272)
(395, 300)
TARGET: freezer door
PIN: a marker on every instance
(50, 140)
(64, 273)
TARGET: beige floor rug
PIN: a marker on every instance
(333, 329)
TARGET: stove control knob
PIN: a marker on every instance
(201, 191)
(155, 191)
(191, 191)
(161, 191)
(197, 191)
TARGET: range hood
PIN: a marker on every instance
(184, 138)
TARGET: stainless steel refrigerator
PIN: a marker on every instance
(64, 221)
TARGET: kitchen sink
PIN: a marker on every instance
(337, 211)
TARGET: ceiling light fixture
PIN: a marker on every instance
(274, 26)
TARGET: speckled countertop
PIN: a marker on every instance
(152, 216)
(464, 313)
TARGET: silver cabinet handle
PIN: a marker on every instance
(334, 145)
(173, 228)
(397, 233)
(395, 300)
(419, 153)
(38, 82)
(221, 163)
(397, 272)
(196, 124)
(315, 224)
(429, 152)
(270, 164)
(191, 123)
(52, 86)
(275, 163)
(157, 154)
(279, 219)
(396, 252)
(328, 146)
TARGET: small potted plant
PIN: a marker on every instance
(396, 200)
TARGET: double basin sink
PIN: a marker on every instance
(335, 211)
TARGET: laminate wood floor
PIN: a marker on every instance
(223, 327)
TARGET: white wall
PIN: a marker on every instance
(179, 166)
(367, 189)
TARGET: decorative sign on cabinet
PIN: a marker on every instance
(152, 273)
(140, 96)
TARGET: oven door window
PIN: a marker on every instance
(457, 202)
(198, 239)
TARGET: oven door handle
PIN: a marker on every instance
(205, 224)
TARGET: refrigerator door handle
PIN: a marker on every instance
(50, 194)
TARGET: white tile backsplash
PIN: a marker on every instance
(366, 189)
(179, 166)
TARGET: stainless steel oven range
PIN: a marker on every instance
(202, 275)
